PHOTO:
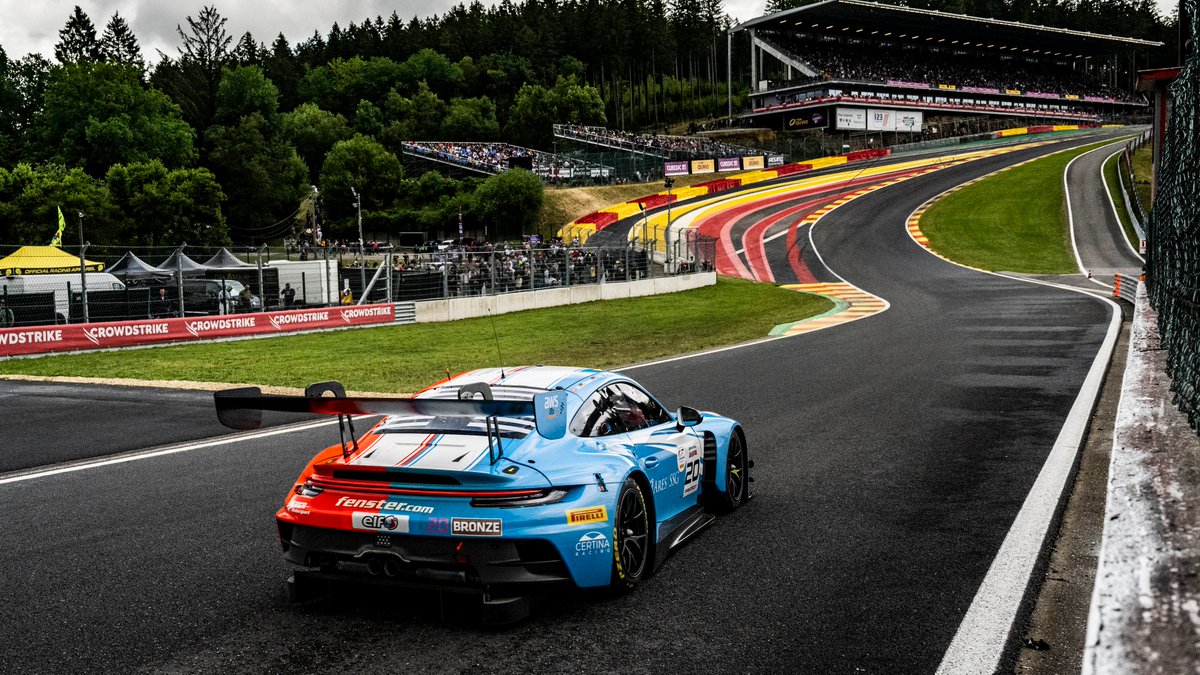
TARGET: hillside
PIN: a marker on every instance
(562, 205)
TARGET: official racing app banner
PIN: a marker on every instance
(83, 336)
(703, 166)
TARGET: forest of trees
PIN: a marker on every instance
(226, 139)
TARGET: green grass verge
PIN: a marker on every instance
(1015, 221)
(1114, 188)
(1143, 170)
(406, 358)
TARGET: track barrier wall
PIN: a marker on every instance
(88, 336)
(61, 338)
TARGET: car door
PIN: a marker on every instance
(673, 459)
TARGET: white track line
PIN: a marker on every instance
(1071, 215)
(983, 634)
(170, 450)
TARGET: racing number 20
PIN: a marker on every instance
(438, 526)
(691, 477)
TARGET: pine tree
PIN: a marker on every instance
(248, 52)
(193, 79)
(120, 45)
(77, 40)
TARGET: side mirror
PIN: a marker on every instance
(687, 417)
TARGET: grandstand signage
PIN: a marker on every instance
(775, 160)
(808, 120)
(906, 83)
(1013, 92)
(703, 166)
(675, 168)
(729, 164)
(951, 87)
(895, 120)
(851, 118)
(753, 162)
(82, 336)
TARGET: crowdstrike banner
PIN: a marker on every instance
(76, 337)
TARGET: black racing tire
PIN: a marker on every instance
(737, 476)
(633, 547)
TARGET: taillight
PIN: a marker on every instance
(524, 498)
(307, 489)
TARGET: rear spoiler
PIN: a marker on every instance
(242, 408)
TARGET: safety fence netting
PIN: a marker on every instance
(53, 285)
(1173, 265)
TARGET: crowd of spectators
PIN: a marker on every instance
(662, 145)
(494, 158)
(962, 68)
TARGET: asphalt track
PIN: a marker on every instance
(892, 456)
(1101, 245)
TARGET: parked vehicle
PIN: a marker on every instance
(61, 285)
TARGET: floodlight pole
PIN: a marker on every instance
(362, 255)
(83, 247)
(729, 73)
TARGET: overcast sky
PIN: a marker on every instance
(32, 26)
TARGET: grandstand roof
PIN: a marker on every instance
(933, 27)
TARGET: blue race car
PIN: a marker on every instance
(501, 483)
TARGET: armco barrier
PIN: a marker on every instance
(1125, 287)
(466, 308)
(87, 336)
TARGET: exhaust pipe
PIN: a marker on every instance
(391, 568)
(375, 567)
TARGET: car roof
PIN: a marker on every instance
(580, 381)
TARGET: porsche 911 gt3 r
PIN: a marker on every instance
(503, 481)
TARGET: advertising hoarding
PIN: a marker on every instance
(851, 118)
(703, 166)
(729, 164)
(813, 119)
(83, 336)
(675, 168)
(752, 162)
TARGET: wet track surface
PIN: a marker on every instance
(892, 454)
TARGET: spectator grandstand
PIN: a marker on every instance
(663, 146)
(813, 66)
(494, 158)
(891, 61)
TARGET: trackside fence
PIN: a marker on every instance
(1173, 261)
(1125, 175)
(274, 279)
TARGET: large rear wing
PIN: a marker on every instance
(242, 408)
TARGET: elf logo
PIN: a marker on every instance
(384, 522)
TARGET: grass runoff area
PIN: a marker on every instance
(404, 359)
(1015, 221)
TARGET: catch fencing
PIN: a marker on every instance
(165, 284)
(1173, 263)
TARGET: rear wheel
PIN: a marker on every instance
(737, 475)
(631, 537)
